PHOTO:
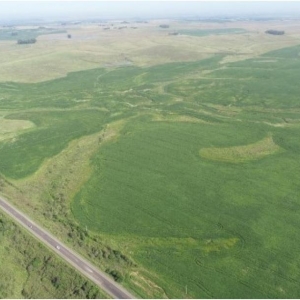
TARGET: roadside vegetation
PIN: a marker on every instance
(179, 180)
(29, 270)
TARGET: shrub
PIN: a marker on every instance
(275, 32)
(27, 41)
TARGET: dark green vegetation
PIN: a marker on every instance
(55, 130)
(202, 227)
(275, 32)
(204, 32)
(29, 270)
(26, 34)
(27, 41)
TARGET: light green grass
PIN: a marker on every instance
(13, 276)
(237, 154)
(10, 128)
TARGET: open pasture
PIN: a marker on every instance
(54, 55)
(153, 195)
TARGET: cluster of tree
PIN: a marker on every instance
(27, 41)
(56, 279)
(275, 32)
(115, 274)
(164, 26)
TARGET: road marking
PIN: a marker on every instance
(88, 269)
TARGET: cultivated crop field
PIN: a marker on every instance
(180, 179)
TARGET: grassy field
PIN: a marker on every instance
(54, 55)
(178, 179)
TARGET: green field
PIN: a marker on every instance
(181, 178)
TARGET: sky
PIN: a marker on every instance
(18, 10)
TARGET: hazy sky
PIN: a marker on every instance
(12, 10)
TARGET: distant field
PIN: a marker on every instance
(179, 179)
(16, 34)
(54, 55)
(204, 32)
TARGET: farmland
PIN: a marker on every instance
(177, 178)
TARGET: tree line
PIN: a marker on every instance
(275, 32)
(27, 41)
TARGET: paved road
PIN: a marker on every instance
(82, 265)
